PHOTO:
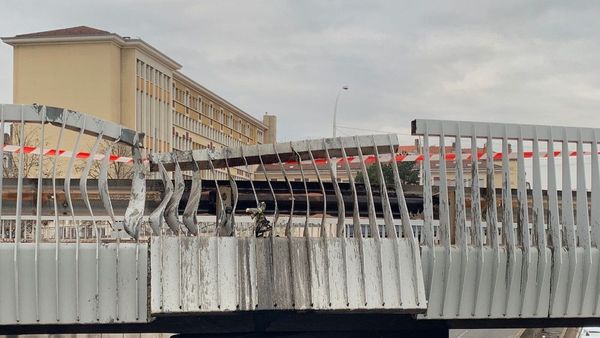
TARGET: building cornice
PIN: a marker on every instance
(118, 40)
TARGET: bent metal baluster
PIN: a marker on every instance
(310, 265)
(57, 275)
(512, 277)
(348, 243)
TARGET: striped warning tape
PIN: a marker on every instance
(351, 159)
(435, 157)
(11, 148)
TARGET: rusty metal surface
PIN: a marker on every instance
(245, 274)
(296, 267)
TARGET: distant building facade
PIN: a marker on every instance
(129, 82)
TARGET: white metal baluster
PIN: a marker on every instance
(220, 214)
(567, 218)
(288, 227)
(341, 209)
(388, 216)
(324, 233)
(234, 193)
(357, 227)
(252, 243)
(583, 222)
(390, 229)
(507, 221)
(595, 210)
(554, 225)
(86, 200)
(191, 208)
(374, 229)
(307, 214)
(538, 223)
(38, 222)
(251, 180)
(67, 188)
(57, 219)
(172, 209)
(18, 225)
(132, 221)
(372, 215)
(314, 164)
(156, 220)
(476, 235)
(406, 230)
(444, 227)
(428, 234)
(460, 218)
(523, 220)
(492, 216)
(341, 219)
(275, 216)
(355, 208)
(103, 184)
(276, 209)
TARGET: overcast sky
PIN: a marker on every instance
(503, 61)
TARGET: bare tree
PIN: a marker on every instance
(115, 169)
(31, 162)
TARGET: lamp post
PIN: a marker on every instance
(337, 98)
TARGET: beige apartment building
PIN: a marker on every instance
(130, 82)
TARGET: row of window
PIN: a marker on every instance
(153, 106)
(155, 114)
(152, 75)
(220, 115)
(184, 142)
(198, 128)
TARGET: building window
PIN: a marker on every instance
(260, 136)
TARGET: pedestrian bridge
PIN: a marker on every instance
(80, 246)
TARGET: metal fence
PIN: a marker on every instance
(312, 261)
(59, 257)
(538, 258)
(76, 237)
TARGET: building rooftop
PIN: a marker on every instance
(85, 33)
(71, 31)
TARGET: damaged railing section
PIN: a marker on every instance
(46, 277)
(292, 267)
(531, 253)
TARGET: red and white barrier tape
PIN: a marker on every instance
(370, 159)
(435, 157)
(11, 148)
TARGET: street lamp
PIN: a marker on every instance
(337, 98)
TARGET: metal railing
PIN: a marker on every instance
(56, 258)
(538, 257)
(313, 244)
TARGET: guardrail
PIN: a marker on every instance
(78, 276)
(295, 268)
(541, 261)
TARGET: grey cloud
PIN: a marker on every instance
(513, 61)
